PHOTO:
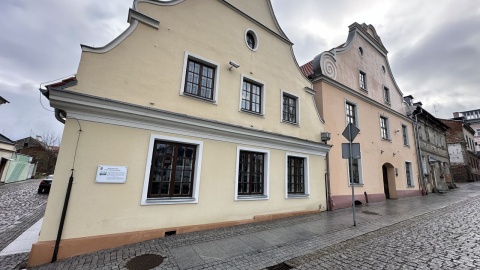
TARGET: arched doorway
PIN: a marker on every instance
(389, 187)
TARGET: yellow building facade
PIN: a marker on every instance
(196, 117)
(354, 84)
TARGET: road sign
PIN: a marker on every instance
(350, 132)
(355, 151)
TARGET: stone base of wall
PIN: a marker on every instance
(42, 252)
(460, 173)
(408, 193)
(345, 201)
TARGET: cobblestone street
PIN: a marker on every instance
(444, 239)
(428, 232)
(20, 207)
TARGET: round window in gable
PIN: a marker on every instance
(251, 40)
(360, 51)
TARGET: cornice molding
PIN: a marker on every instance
(107, 111)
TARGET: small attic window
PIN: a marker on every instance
(383, 69)
(251, 40)
(360, 51)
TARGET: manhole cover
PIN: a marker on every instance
(280, 266)
(144, 262)
(371, 213)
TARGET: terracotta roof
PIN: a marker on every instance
(307, 69)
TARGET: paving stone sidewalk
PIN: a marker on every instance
(20, 207)
(260, 245)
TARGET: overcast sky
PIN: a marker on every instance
(434, 47)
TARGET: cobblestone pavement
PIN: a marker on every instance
(444, 239)
(20, 207)
(430, 232)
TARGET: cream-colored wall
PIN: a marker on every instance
(6, 150)
(97, 209)
(350, 62)
(370, 141)
(146, 68)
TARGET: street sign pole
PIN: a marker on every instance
(351, 175)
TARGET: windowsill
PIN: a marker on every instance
(291, 123)
(298, 196)
(356, 185)
(410, 186)
(153, 201)
(251, 197)
(210, 101)
(387, 140)
(252, 113)
(388, 104)
(406, 145)
(364, 90)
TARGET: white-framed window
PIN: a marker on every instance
(252, 174)
(297, 176)
(406, 140)
(409, 174)
(386, 95)
(252, 96)
(362, 79)
(351, 113)
(384, 128)
(199, 78)
(172, 173)
(251, 39)
(356, 170)
(290, 108)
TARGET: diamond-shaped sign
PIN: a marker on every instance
(350, 132)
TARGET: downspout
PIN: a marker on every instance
(419, 159)
(67, 194)
(327, 179)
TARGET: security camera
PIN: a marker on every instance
(233, 64)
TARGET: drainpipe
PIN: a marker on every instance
(67, 198)
(419, 159)
(62, 219)
(325, 137)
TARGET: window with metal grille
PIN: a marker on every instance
(199, 79)
(251, 173)
(289, 108)
(251, 97)
(172, 170)
(296, 175)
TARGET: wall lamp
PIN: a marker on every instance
(233, 65)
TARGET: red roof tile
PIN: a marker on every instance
(307, 69)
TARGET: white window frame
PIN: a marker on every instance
(357, 120)
(198, 171)
(387, 122)
(306, 195)
(360, 172)
(297, 106)
(406, 135)
(266, 180)
(386, 93)
(189, 55)
(360, 72)
(255, 36)
(262, 109)
(411, 174)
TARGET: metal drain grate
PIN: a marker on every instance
(280, 266)
(144, 262)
